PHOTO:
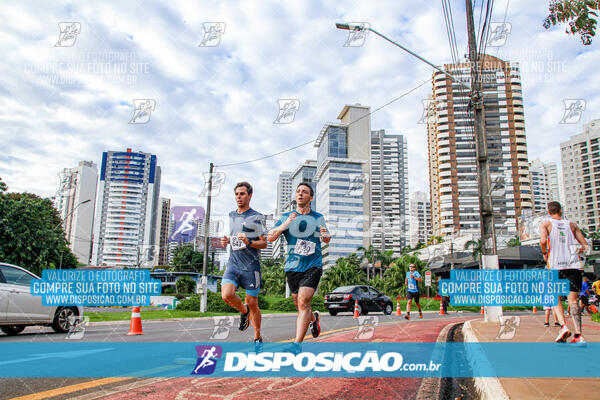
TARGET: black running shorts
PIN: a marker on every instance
(309, 278)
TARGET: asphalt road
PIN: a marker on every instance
(275, 327)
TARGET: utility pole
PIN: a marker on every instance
(381, 185)
(204, 282)
(489, 257)
(486, 211)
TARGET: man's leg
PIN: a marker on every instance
(305, 315)
(230, 297)
(255, 315)
(417, 301)
(575, 311)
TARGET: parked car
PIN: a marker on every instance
(19, 308)
(369, 299)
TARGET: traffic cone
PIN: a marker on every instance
(482, 311)
(355, 308)
(442, 308)
(135, 327)
(534, 309)
(398, 309)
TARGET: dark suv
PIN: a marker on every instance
(369, 299)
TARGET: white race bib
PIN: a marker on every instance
(236, 244)
(304, 247)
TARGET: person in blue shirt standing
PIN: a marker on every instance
(246, 237)
(303, 229)
(412, 289)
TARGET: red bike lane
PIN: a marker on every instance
(302, 388)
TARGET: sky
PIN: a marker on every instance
(215, 97)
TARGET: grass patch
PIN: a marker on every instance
(159, 314)
(596, 317)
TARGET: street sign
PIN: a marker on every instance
(427, 278)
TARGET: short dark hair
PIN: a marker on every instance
(554, 207)
(312, 192)
(243, 184)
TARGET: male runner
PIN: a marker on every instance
(596, 286)
(556, 238)
(303, 229)
(412, 289)
(246, 237)
(584, 295)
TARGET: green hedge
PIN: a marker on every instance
(287, 304)
(214, 303)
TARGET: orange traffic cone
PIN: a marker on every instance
(355, 308)
(398, 309)
(482, 311)
(135, 327)
(442, 308)
(534, 309)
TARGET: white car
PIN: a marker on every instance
(19, 308)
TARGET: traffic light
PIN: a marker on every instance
(596, 245)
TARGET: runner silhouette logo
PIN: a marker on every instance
(207, 359)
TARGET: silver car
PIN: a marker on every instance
(19, 308)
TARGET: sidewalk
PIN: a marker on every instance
(531, 329)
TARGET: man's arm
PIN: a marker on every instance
(580, 238)
(544, 239)
(280, 227)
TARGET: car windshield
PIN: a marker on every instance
(344, 289)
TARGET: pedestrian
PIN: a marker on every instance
(246, 238)
(584, 295)
(412, 289)
(557, 235)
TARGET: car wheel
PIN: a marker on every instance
(61, 323)
(12, 330)
(362, 310)
(332, 313)
(388, 309)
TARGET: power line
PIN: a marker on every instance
(312, 141)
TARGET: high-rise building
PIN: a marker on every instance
(420, 218)
(453, 163)
(581, 175)
(343, 192)
(551, 171)
(539, 186)
(391, 208)
(162, 231)
(269, 224)
(126, 210)
(305, 172)
(284, 191)
(75, 203)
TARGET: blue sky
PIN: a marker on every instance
(60, 105)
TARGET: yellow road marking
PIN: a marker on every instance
(69, 389)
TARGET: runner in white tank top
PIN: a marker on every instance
(562, 242)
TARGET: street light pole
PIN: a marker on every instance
(204, 282)
(62, 222)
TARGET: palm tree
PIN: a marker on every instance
(514, 242)
(585, 232)
(435, 240)
(386, 258)
(342, 273)
(477, 247)
(371, 255)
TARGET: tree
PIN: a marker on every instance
(595, 235)
(580, 15)
(185, 285)
(31, 233)
(343, 273)
(185, 258)
(514, 242)
(435, 240)
(386, 258)
(370, 255)
(477, 248)
(585, 232)
(273, 278)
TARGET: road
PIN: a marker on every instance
(276, 327)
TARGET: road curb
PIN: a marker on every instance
(488, 387)
(431, 387)
(146, 321)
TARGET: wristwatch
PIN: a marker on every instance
(249, 241)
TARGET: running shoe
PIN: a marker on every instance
(557, 324)
(294, 348)
(407, 316)
(315, 326)
(563, 335)
(420, 315)
(244, 320)
(547, 324)
(258, 345)
(579, 341)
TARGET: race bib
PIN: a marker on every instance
(236, 244)
(411, 286)
(304, 247)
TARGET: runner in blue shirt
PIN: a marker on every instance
(584, 295)
(303, 229)
(246, 237)
(412, 289)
